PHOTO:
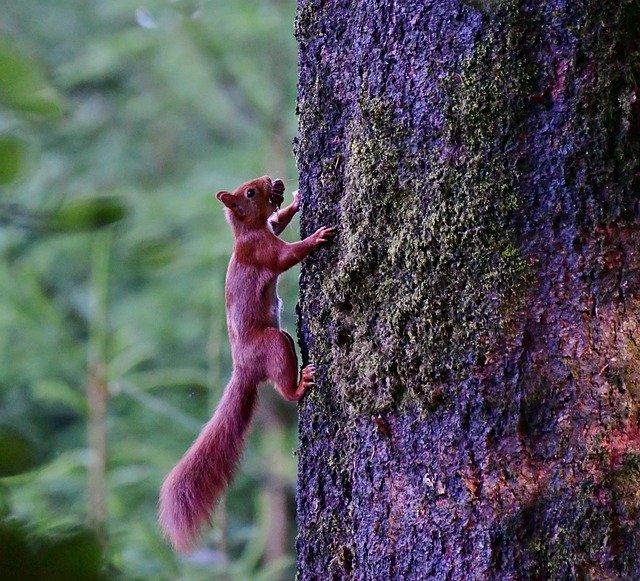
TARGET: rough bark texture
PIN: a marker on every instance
(476, 322)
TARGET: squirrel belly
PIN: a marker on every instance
(260, 351)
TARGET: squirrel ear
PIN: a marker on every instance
(231, 202)
(227, 199)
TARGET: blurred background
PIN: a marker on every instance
(119, 121)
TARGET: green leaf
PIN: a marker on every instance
(19, 452)
(23, 84)
(88, 214)
(11, 152)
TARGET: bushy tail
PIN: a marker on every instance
(191, 489)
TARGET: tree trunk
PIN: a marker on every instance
(475, 323)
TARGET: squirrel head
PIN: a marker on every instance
(254, 201)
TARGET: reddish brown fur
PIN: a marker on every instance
(260, 350)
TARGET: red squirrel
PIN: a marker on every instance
(260, 351)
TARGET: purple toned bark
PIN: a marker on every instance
(476, 322)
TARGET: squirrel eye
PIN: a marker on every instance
(250, 193)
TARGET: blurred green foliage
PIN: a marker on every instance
(11, 153)
(19, 451)
(128, 117)
(73, 555)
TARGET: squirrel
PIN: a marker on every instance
(260, 351)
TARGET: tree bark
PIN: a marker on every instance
(475, 323)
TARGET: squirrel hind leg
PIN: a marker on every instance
(282, 366)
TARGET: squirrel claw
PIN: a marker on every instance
(324, 234)
(307, 376)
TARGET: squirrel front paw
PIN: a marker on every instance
(324, 234)
(295, 205)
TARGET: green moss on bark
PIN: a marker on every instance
(583, 528)
(624, 483)
(571, 549)
(428, 272)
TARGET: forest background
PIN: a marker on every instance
(119, 121)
